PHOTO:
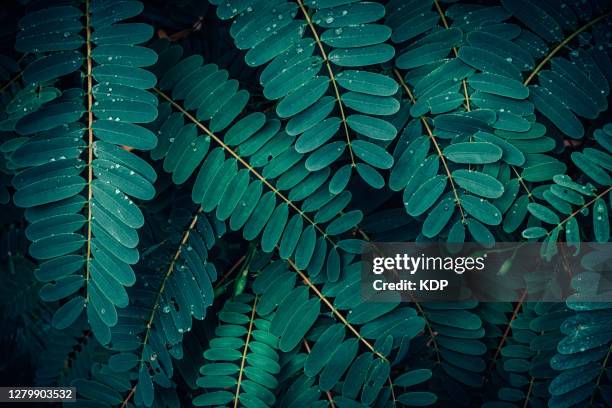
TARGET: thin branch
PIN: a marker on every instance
(601, 372)
(244, 163)
(329, 396)
(229, 273)
(244, 353)
(579, 210)
(12, 80)
(128, 397)
(522, 182)
(162, 287)
(504, 337)
(331, 77)
(89, 142)
(528, 394)
(456, 53)
(392, 388)
(335, 311)
(562, 44)
(435, 143)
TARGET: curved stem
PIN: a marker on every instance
(504, 337)
(335, 311)
(456, 53)
(245, 164)
(435, 143)
(128, 397)
(331, 77)
(327, 393)
(90, 141)
(162, 286)
(562, 44)
(579, 210)
(244, 353)
(601, 372)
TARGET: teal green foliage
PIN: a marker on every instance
(71, 203)
(186, 188)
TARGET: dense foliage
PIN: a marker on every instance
(186, 187)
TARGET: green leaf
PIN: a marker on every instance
(372, 154)
(68, 313)
(344, 222)
(356, 35)
(274, 228)
(534, 233)
(601, 222)
(481, 209)
(426, 196)
(370, 104)
(417, 398)
(413, 377)
(591, 169)
(49, 117)
(480, 233)
(498, 85)
(373, 128)
(367, 82)
(438, 217)
(323, 349)
(542, 213)
(478, 183)
(362, 56)
(473, 152)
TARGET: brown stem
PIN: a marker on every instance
(244, 353)
(334, 310)
(89, 142)
(456, 53)
(504, 337)
(229, 273)
(327, 393)
(579, 210)
(331, 77)
(128, 397)
(562, 44)
(244, 163)
(436, 146)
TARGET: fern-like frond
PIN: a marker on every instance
(252, 178)
(583, 351)
(320, 63)
(150, 330)
(381, 329)
(242, 360)
(566, 201)
(574, 87)
(76, 180)
(68, 355)
(522, 371)
(462, 73)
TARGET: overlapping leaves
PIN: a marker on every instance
(316, 56)
(249, 175)
(75, 180)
